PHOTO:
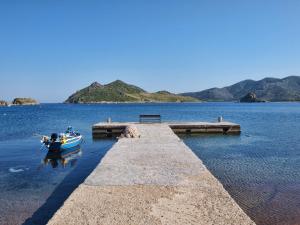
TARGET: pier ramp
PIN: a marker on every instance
(155, 180)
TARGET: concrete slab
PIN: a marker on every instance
(158, 157)
(116, 128)
(155, 179)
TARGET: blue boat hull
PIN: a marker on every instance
(71, 143)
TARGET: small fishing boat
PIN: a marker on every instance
(63, 141)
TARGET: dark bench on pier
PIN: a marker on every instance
(150, 118)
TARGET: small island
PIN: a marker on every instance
(119, 91)
(24, 101)
(250, 98)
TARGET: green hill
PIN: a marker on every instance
(119, 91)
(267, 89)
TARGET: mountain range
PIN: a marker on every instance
(267, 89)
(119, 91)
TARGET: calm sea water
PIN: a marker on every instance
(260, 168)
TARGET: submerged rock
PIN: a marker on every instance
(24, 101)
(250, 97)
(3, 103)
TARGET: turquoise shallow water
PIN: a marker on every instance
(259, 168)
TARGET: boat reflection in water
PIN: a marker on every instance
(67, 156)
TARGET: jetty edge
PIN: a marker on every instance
(155, 179)
(116, 128)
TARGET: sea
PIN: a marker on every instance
(260, 168)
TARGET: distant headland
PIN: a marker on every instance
(119, 91)
(267, 89)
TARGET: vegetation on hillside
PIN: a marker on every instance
(119, 91)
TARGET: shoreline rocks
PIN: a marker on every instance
(3, 103)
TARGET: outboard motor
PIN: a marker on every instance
(54, 146)
(54, 137)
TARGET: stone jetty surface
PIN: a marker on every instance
(155, 180)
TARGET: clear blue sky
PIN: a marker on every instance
(51, 48)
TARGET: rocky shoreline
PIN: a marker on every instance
(3, 103)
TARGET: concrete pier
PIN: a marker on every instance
(115, 129)
(155, 180)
